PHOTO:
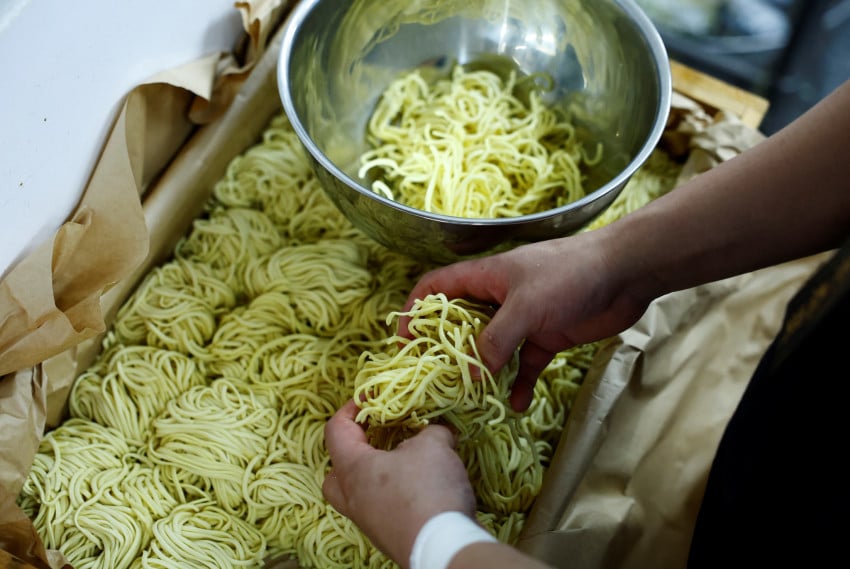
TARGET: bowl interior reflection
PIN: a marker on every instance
(607, 66)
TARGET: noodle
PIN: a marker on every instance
(77, 465)
(227, 239)
(505, 467)
(136, 384)
(284, 500)
(199, 534)
(196, 437)
(430, 376)
(321, 280)
(467, 146)
(175, 308)
(205, 439)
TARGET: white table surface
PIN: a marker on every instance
(66, 67)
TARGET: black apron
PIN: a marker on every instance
(778, 493)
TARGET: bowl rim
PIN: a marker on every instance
(655, 43)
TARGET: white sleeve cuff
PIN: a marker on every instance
(442, 537)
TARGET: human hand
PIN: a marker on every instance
(391, 494)
(550, 296)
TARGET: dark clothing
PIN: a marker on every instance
(777, 493)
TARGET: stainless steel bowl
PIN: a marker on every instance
(606, 58)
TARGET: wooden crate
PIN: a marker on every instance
(717, 95)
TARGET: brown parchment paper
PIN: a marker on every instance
(605, 502)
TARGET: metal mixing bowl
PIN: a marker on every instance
(609, 66)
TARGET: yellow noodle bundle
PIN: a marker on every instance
(226, 241)
(200, 534)
(430, 376)
(284, 499)
(205, 439)
(175, 308)
(135, 386)
(73, 493)
(196, 438)
(468, 146)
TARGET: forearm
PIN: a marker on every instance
(786, 198)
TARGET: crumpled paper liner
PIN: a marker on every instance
(702, 139)
(56, 303)
(169, 162)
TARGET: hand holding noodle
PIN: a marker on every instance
(785, 199)
(528, 284)
(375, 507)
(421, 478)
(498, 467)
(559, 293)
(430, 375)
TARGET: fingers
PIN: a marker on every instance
(498, 341)
(465, 279)
(532, 361)
(488, 280)
(345, 439)
(482, 281)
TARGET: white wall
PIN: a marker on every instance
(65, 67)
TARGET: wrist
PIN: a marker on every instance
(630, 261)
(444, 536)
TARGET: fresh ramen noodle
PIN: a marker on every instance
(430, 376)
(196, 437)
(470, 146)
